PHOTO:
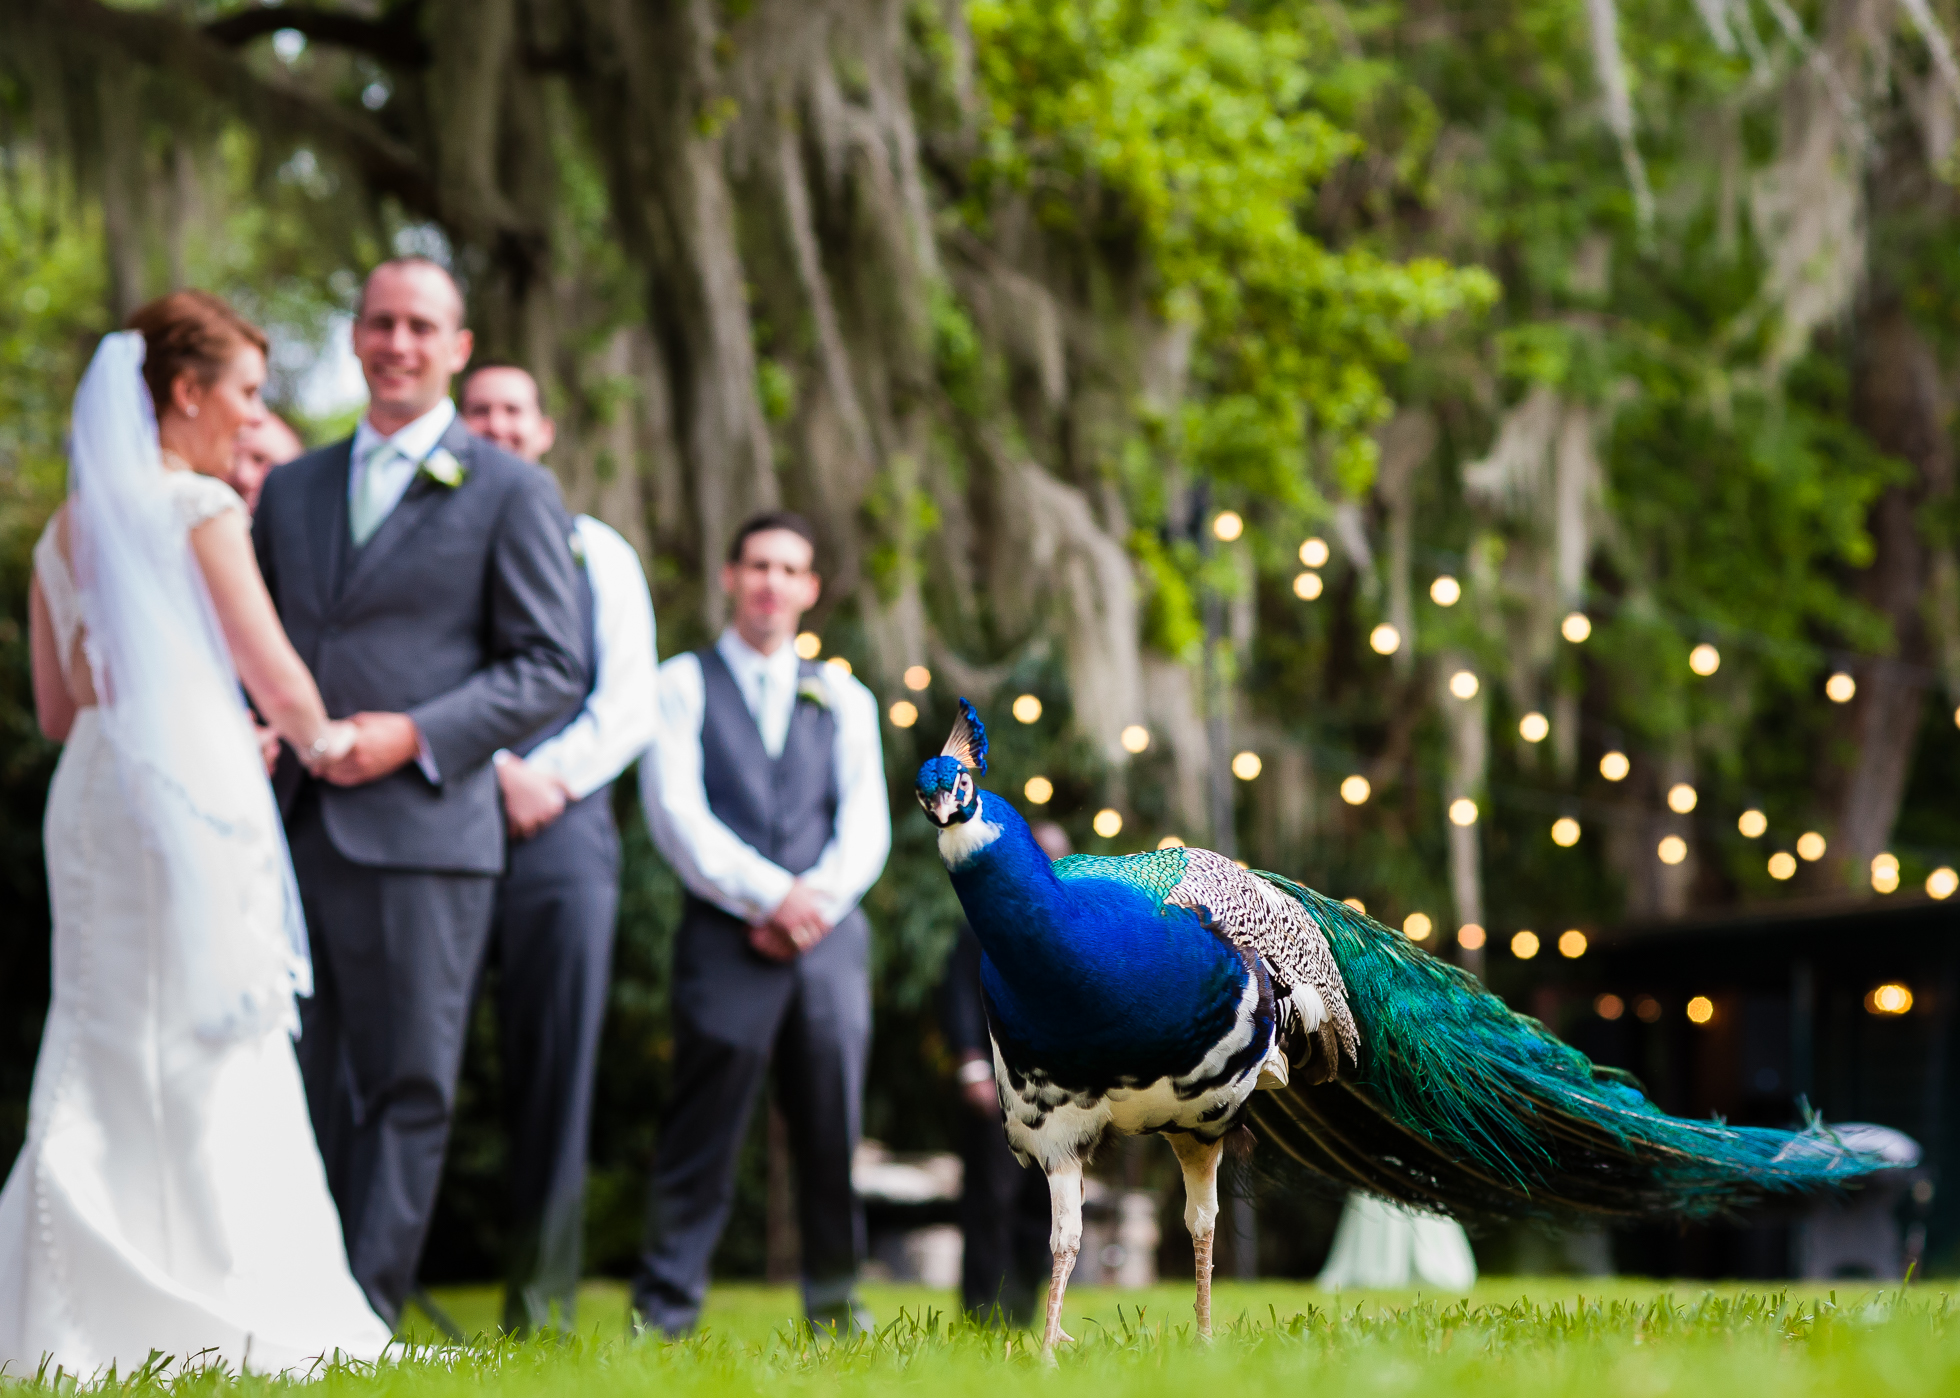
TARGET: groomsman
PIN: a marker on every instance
(553, 933)
(765, 789)
(425, 578)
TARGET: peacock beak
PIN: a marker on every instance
(942, 808)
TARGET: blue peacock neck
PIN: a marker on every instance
(1012, 898)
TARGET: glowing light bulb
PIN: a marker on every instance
(1354, 789)
(1565, 832)
(1108, 823)
(1752, 823)
(1647, 1009)
(1446, 591)
(839, 664)
(1885, 873)
(1135, 738)
(1534, 727)
(1228, 525)
(1464, 684)
(1027, 709)
(1840, 688)
(903, 714)
(1704, 660)
(809, 645)
(1673, 849)
(1889, 999)
(1313, 553)
(1246, 766)
(1701, 1010)
(1385, 639)
(1417, 927)
(1811, 847)
(1681, 798)
(1524, 945)
(1609, 1007)
(1942, 883)
(1170, 842)
(1470, 937)
(1307, 586)
(1576, 627)
(1463, 811)
(1782, 865)
(1355, 903)
(1039, 791)
(1572, 944)
(1614, 766)
(917, 678)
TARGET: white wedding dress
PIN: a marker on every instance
(170, 1196)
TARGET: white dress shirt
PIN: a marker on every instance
(412, 446)
(618, 719)
(715, 863)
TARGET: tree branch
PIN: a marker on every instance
(396, 39)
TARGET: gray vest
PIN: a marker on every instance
(784, 807)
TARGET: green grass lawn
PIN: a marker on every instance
(1536, 1338)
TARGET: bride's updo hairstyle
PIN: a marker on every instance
(189, 332)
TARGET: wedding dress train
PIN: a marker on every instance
(170, 1196)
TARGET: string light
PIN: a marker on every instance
(1609, 1006)
(1942, 883)
(809, 645)
(1810, 846)
(1673, 849)
(1890, 999)
(1704, 660)
(903, 714)
(918, 678)
(1681, 798)
(1752, 823)
(1108, 823)
(1385, 639)
(1524, 945)
(1417, 927)
(1446, 591)
(1170, 842)
(1027, 709)
(1357, 905)
(1354, 789)
(1307, 586)
(1246, 766)
(1464, 685)
(1228, 525)
(1470, 937)
(1576, 627)
(1614, 766)
(1701, 1010)
(1840, 688)
(1885, 873)
(1463, 811)
(1039, 791)
(1647, 1010)
(1534, 727)
(839, 664)
(1565, 832)
(1572, 944)
(1135, 738)
(1313, 553)
(1782, 865)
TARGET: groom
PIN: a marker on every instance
(426, 579)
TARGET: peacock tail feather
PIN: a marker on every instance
(1464, 1107)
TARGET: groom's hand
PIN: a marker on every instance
(533, 798)
(383, 744)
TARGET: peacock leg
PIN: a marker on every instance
(1199, 1162)
(1064, 1241)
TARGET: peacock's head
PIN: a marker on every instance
(945, 785)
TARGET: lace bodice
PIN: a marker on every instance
(195, 498)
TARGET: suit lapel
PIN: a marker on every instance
(326, 509)
(423, 499)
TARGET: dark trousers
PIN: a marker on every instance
(552, 938)
(1004, 1226)
(734, 1012)
(395, 959)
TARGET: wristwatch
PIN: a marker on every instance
(317, 749)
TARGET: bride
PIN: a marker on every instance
(170, 1196)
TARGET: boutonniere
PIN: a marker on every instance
(810, 687)
(442, 467)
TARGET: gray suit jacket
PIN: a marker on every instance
(462, 612)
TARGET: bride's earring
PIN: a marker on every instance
(190, 410)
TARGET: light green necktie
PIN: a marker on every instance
(370, 505)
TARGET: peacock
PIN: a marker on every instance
(1178, 993)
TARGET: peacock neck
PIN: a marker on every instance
(1016, 905)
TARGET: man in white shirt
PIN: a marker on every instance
(559, 898)
(765, 789)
